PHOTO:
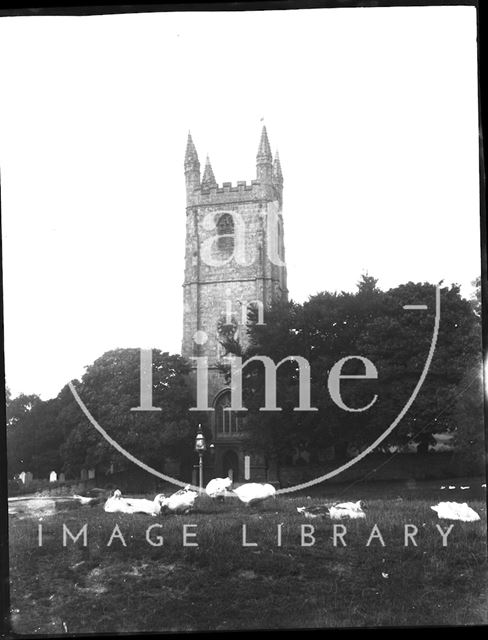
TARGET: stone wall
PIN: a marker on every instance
(210, 291)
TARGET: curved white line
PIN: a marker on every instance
(304, 485)
(121, 449)
(406, 407)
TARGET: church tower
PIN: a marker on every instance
(234, 259)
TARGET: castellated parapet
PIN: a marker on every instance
(228, 193)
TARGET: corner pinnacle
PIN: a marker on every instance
(208, 180)
(264, 151)
(191, 156)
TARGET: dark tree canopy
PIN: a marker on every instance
(55, 434)
(110, 388)
(372, 324)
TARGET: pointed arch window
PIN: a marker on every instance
(227, 422)
(225, 231)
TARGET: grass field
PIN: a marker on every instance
(222, 585)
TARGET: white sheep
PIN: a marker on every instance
(119, 504)
(456, 511)
(316, 511)
(84, 499)
(92, 497)
(180, 501)
(254, 492)
(218, 488)
(351, 510)
(142, 505)
(115, 504)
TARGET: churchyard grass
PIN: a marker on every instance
(221, 584)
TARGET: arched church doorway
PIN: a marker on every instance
(230, 465)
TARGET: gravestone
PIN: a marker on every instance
(61, 477)
(91, 474)
(84, 475)
(53, 476)
(247, 467)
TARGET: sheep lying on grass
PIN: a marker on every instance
(180, 502)
(92, 497)
(118, 504)
(218, 488)
(456, 511)
(352, 510)
(254, 492)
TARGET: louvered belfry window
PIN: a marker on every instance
(225, 231)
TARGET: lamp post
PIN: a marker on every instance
(200, 448)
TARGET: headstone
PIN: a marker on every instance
(247, 467)
(91, 474)
(28, 477)
(53, 476)
(61, 477)
(84, 474)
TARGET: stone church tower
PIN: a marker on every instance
(234, 259)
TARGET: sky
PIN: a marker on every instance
(374, 112)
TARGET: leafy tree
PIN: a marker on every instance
(18, 407)
(46, 437)
(398, 342)
(110, 388)
(20, 444)
(476, 297)
(33, 436)
(55, 434)
(469, 418)
(369, 323)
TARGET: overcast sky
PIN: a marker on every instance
(374, 113)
